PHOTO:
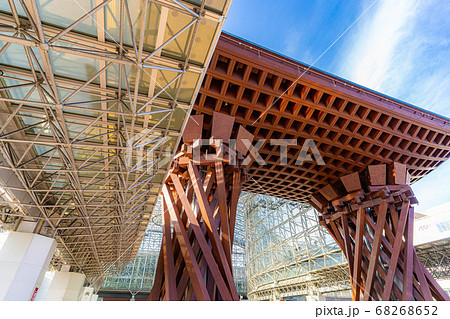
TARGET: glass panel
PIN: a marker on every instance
(215, 5)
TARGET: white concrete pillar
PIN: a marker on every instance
(3, 237)
(445, 284)
(94, 297)
(87, 293)
(24, 259)
(65, 286)
(315, 297)
(43, 289)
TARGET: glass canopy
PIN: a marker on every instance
(94, 95)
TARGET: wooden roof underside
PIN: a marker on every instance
(352, 126)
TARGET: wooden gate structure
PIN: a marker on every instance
(372, 147)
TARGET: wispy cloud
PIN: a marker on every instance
(291, 43)
(294, 46)
(402, 51)
(369, 59)
(432, 190)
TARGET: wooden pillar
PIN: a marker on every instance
(371, 217)
(200, 200)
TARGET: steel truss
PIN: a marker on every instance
(238, 256)
(287, 252)
(93, 97)
(436, 258)
(137, 276)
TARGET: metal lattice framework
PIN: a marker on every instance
(138, 275)
(93, 97)
(288, 253)
(436, 258)
(238, 256)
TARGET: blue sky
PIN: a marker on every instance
(400, 48)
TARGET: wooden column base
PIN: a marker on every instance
(200, 197)
(371, 217)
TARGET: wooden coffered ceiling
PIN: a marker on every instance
(277, 98)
